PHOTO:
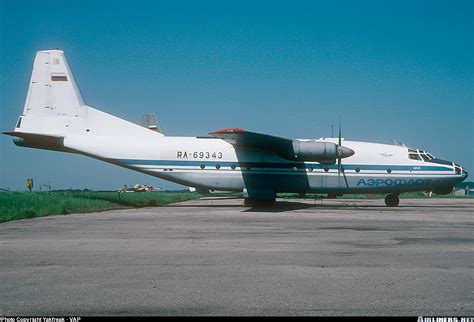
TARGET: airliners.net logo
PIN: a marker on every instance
(444, 319)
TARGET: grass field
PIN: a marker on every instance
(20, 205)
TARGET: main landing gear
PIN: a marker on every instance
(259, 198)
(254, 202)
(392, 200)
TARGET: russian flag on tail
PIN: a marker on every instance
(58, 78)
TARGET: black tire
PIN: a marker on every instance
(392, 200)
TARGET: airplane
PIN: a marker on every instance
(56, 117)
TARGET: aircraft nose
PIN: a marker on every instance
(460, 170)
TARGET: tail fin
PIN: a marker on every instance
(54, 106)
(53, 90)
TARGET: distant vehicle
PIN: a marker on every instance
(150, 188)
(55, 117)
(139, 188)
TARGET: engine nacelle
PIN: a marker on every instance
(324, 152)
(314, 151)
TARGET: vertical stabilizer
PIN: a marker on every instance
(53, 90)
(54, 108)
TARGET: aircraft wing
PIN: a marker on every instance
(242, 138)
(295, 150)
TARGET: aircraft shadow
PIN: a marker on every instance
(281, 206)
(218, 198)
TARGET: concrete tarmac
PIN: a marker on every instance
(215, 257)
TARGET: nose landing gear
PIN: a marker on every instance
(392, 200)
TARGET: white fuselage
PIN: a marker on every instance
(214, 164)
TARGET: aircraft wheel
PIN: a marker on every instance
(392, 200)
(332, 195)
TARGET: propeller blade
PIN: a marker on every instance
(339, 156)
(339, 169)
(339, 159)
(340, 126)
(345, 179)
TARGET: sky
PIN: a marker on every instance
(394, 70)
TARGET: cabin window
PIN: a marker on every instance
(326, 169)
(357, 170)
(310, 169)
(218, 166)
(389, 170)
(232, 167)
(202, 166)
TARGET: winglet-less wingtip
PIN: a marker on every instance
(228, 131)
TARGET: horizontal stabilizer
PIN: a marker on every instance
(39, 141)
(25, 135)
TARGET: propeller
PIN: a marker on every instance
(341, 152)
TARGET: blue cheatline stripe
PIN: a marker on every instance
(277, 165)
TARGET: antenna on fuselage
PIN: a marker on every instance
(399, 143)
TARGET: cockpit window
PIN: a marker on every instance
(421, 155)
(414, 156)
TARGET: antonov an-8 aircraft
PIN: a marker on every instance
(55, 117)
